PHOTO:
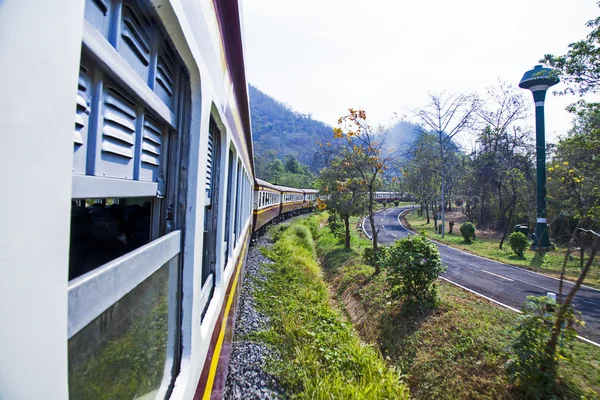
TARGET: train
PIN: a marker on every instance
(129, 184)
(130, 197)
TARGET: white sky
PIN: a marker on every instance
(323, 56)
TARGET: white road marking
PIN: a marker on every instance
(507, 306)
(566, 283)
(394, 235)
(499, 276)
(520, 280)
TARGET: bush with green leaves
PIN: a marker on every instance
(372, 257)
(467, 230)
(533, 370)
(518, 243)
(396, 203)
(413, 265)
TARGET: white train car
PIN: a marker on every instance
(127, 173)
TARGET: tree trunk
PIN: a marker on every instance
(347, 223)
(427, 211)
(560, 318)
(481, 209)
(507, 225)
(566, 260)
(581, 251)
(373, 230)
(500, 224)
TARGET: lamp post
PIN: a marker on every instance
(538, 80)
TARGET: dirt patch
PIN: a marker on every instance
(362, 320)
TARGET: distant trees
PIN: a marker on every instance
(291, 173)
(422, 174)
(446, 116)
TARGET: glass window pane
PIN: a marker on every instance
(122, 354)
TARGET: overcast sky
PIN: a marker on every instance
(323, 56)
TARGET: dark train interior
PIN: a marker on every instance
(105, 229)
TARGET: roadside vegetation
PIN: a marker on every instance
(460, 348)
(321, 356)
(487, 246)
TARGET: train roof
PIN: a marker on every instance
(266, 184)
(310, 191)
(289, 189)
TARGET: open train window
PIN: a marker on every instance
(105, 229)
(126, 218)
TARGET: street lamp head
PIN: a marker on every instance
(539, 78)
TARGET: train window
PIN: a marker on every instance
(211, 213)
(125, 253)
(228, 215)
(122, 353)
(238, 217)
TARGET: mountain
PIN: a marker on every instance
(401, 136)
(281, 133)
(278, 130)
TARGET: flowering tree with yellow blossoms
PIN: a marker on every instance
(360, 148)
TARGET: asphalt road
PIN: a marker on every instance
(506, 284)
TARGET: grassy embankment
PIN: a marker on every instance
(458, 351)
(321, 354)
(550, 264)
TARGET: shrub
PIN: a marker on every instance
(413, 265)
(467, 230)
(396, 203)
(533, 370)
(518, 243)
(372, 258)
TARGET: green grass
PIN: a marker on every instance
(321, 356)
(457, 351)
(549, 264)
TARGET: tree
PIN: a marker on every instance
(346, 193)
(447, 115)
(292, 165)
(361, 148)
(422, 173)
(576, 164)
(580, 67)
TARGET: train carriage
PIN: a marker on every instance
(132, 199)
(292, 201)
(386, 196)
(310, 196)
(267, 204)
(128, 157)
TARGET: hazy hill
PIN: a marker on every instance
(280, 132)
(401, 136)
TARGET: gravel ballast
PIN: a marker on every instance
(246, 377)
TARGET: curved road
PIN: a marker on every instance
(503, 283)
